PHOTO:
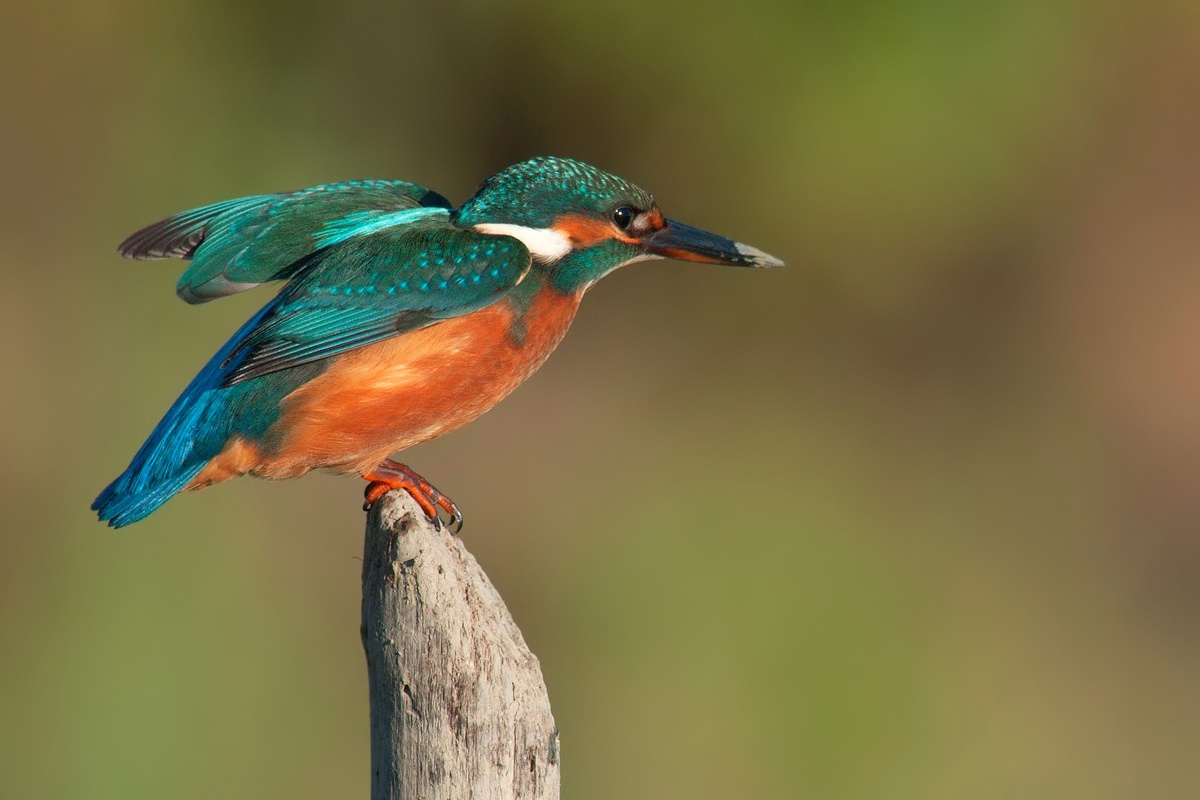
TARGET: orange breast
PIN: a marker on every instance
(391, 395)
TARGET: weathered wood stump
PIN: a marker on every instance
(458, 705)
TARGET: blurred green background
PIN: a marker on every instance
(917, 517)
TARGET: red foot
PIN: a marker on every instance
(391, 475)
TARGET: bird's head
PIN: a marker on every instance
(583, 223)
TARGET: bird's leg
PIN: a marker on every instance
(393, 475)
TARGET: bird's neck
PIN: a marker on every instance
(576, 271)
(540, 310)
(569, 265)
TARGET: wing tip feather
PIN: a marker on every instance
(166, 238)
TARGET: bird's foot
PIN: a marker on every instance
(391, 475)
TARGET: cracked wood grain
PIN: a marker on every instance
(458, 706)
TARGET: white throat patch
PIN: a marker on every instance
(544, 244)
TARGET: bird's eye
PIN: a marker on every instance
(623, 216)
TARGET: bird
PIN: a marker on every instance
(400, 318)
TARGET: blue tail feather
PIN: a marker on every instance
(192, 432)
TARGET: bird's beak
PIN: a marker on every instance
(676, 240)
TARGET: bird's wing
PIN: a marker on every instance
(373, 285)
(238, 244)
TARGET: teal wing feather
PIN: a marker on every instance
(238, 244)
(368, 287)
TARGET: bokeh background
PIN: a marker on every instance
(917, 517)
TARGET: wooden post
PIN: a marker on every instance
(458, 705)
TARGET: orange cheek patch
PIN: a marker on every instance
(584, 231)
(587, 231)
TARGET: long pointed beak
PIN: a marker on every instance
(686, 243)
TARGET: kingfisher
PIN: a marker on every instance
(400, 319)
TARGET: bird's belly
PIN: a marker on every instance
(397, 393)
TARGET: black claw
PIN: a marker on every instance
(456, 522)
